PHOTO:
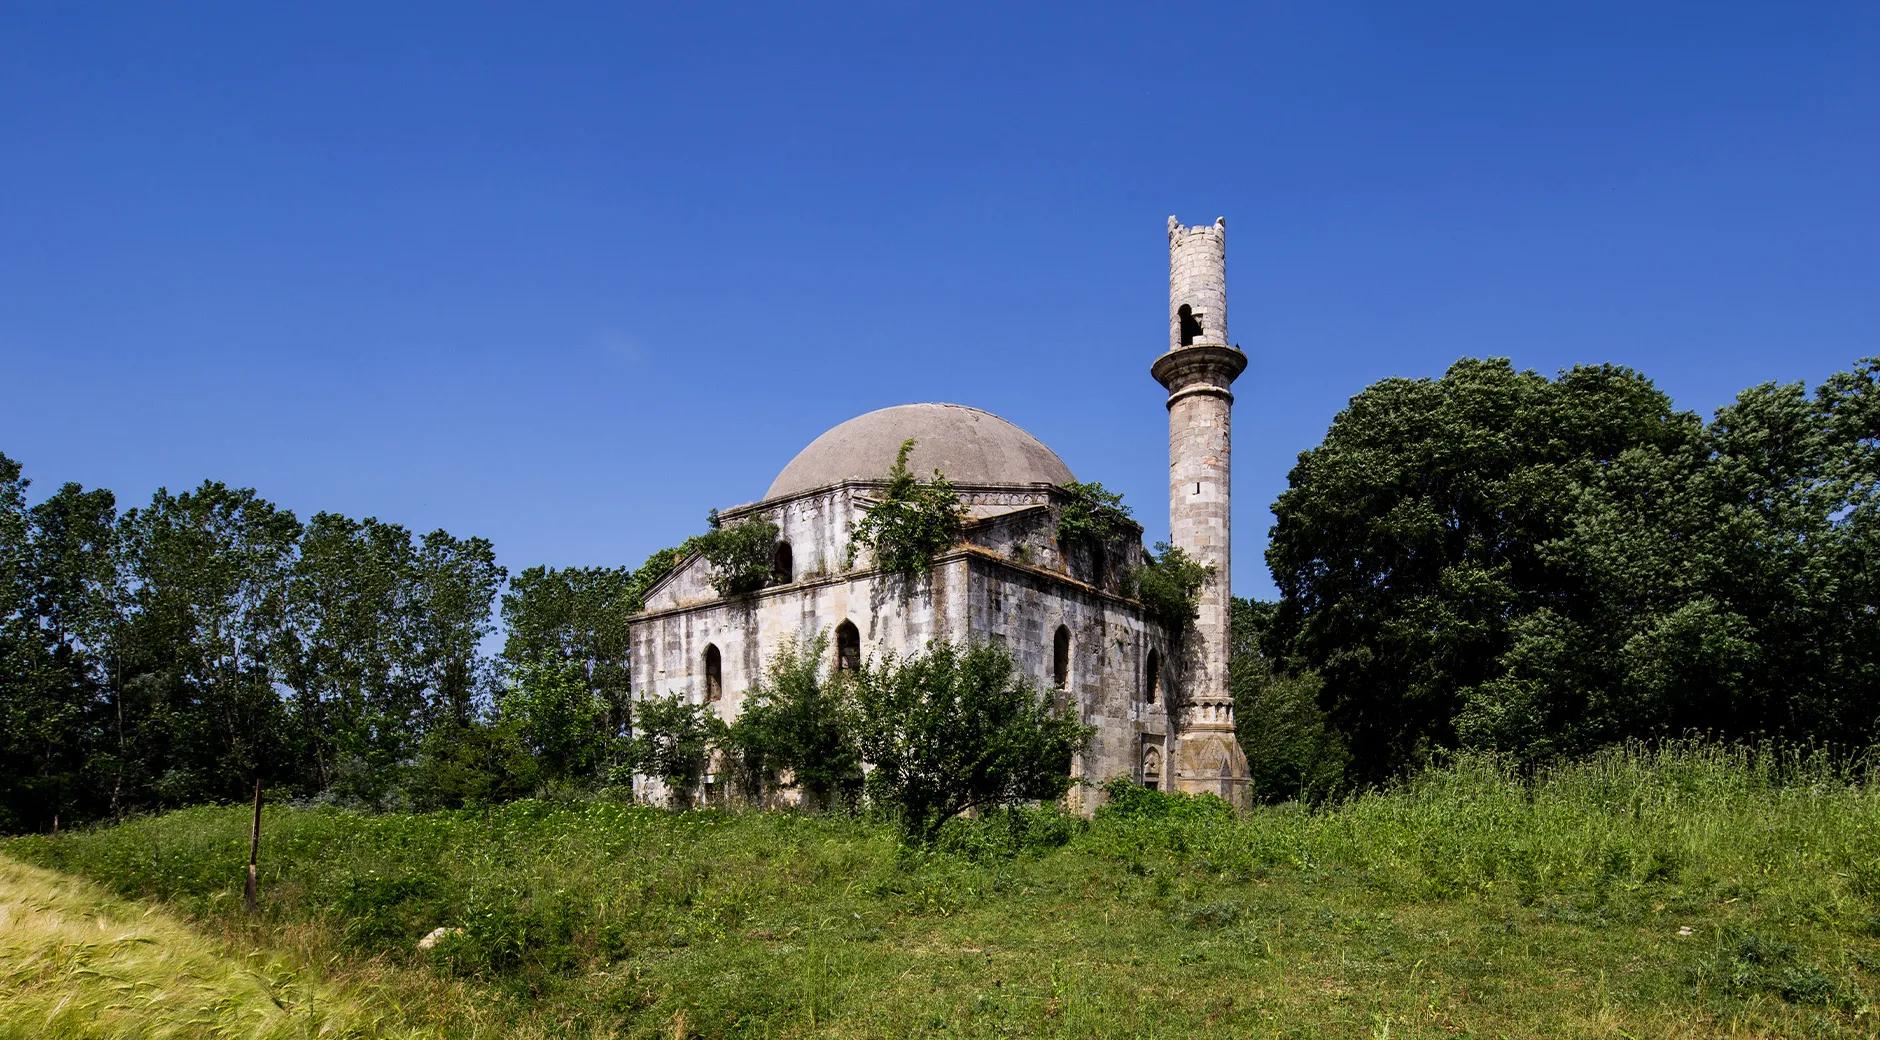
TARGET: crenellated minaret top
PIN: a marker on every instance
(1197, 283)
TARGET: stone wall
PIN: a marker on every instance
(1010, 583)
(1022, 609)
(1197, 279)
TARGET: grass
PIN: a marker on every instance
(1692, 892)
(77, 963)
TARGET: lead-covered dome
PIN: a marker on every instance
(970, 446)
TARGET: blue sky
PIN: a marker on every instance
(568, 276)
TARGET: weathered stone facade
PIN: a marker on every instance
(1009, 582)
(1197, 371)
(1162, 713)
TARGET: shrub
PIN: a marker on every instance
(1128, 800)
(913, 521)
(796, 723)
(740, 555)
(1093, 516)
(476, 763)
(671, 741)
(1169, 586)
(952, 729)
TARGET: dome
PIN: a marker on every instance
(970, 446)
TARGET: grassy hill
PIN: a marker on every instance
(1688, 893)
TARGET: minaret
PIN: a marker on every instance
(1198, 370)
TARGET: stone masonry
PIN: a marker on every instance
(1067, 613)
(1197, 371)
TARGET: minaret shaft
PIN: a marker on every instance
(1198, 371)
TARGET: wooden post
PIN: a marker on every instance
(251, 892)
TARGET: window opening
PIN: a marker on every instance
(1191, 324)
(714, 673)
(848, 647)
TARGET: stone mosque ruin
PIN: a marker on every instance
(1162, 711)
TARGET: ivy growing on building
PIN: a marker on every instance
(1093, 516)
(913, 522)
(1169, 586)
(740, 555)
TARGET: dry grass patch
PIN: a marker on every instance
(75, 962)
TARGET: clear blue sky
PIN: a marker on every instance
(568, 276)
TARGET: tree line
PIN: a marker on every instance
(1491, 559)
(183, 649)
(1499, 560)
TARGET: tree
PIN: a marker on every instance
(354, 668)
(1725, 588)
(954, 728)
(1500, 560)
(558, 716)
(672, 742)
(576, 615)
(457, 579)
(76, 596)
(799, 725)
(57, 598)
(207, 573)
(1292, 751)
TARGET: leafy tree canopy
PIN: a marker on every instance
(955, 728)
(799, 724)
(1499, 559)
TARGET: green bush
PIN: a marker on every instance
(912, 521)
(1169, 586)
(953, 729)
(739, 554)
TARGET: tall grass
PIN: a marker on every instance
(1685, 891)
(76, 963)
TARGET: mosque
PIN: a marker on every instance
(1161, 708)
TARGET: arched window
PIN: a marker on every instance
(1061, 658)
(1152, 677)
(1191, 324)
(1151, 766)
(714, 673)
(848, 647)
(782, 565)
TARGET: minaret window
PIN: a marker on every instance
(848, 647)
(1061, 658)
(782, 565)
(714, 674)
(1191, 324)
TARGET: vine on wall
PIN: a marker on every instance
(740, 555)
(913, 522)
(1093, 516)
(1169, 586)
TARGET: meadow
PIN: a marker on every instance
(1694, 891)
